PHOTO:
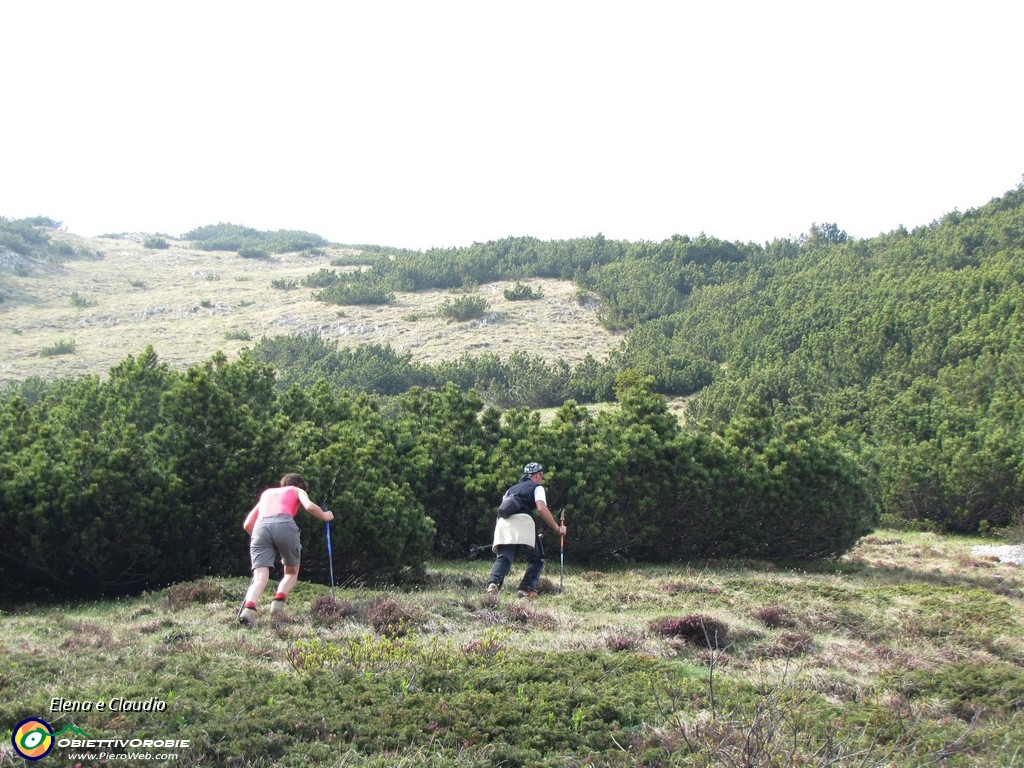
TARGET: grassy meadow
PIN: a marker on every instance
(907, 652)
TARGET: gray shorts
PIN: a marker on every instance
(273, 536)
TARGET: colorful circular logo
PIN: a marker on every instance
(33, 738)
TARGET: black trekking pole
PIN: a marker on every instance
(242, 606)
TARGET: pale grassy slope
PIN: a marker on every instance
(186, 302)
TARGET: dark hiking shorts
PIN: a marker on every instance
(273, 536)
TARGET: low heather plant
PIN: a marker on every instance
(389, 618)
(619, 643)
(695, 629)
(775, 617)
(327, 611)
(181, 596)
(679, 587)
(520, 613)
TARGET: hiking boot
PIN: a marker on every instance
(277, 608)
(526, 593)
(248, 617)
(492, 589)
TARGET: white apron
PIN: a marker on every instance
(515, 529)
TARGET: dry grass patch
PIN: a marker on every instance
(189, 304)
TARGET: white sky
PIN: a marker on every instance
(422, 123)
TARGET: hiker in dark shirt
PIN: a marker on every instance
(515, 529)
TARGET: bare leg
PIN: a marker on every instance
(260, 577)
(291, 578)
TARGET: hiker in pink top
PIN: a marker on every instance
(274, 532)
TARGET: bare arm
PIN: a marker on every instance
(250, 519)
(313, 508)
(548, 518)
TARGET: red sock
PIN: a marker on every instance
(251, 605)
(281, 596)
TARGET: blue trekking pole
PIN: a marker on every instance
(330, 555)
(561, 554)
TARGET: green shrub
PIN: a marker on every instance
(354, 293)
(354, 260)
(62, 347)
(158, 243)
(521, 292)
(80, 301)
(42, 221)
(253, 252)
(993, 686)
(463, 308)
(1014, 532)
(322, 279)
(23, 236)
(233, 237)
(238, 336)
(312, 653)
(284, 285)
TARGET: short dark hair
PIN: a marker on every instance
(294, 478)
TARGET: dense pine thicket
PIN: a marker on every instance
(835, 379)
(905, 349)
(252, 243)
(144, 478)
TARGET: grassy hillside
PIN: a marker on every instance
(106, 298)
(906, 653)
